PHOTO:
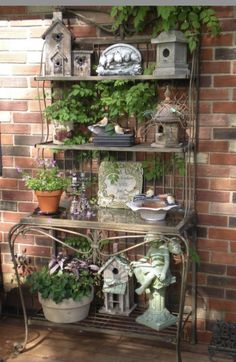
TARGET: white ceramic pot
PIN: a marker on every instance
(67, 311)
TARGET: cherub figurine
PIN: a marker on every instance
(153, 273)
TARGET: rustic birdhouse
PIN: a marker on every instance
(118, 287)
(171, 55)
(81, 62)
(57, 49)
(169, 122)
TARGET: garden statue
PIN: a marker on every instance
(153, 273)
(120, 59)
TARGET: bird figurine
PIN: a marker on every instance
(120, 130)
(99, 128)
(101, 123)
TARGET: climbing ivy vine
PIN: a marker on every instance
(188, 19)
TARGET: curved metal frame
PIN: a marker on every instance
(96, 243)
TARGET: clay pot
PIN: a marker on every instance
(49, 200)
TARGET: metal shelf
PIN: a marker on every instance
(73, 78)
(136, 148)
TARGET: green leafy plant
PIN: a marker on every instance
(156, 167)
(127, 98)
(188, 19)
(47, 178)
(65, 277)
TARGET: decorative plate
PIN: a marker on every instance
(118, 183)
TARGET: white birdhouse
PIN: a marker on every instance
(171, 55)
(57, 52)
(118, 287)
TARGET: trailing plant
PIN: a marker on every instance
(188, 19)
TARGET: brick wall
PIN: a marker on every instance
(20, 51)
(216, 176)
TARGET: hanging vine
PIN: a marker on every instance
(188, 19)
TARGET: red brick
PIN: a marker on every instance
(230, 317)
(205, 133)
(8, 183)
(214, 196)
(6, 139)
(83, 31)
(26, 207)
(12, 216)
(231, 270)
(234, 67)
(13, 82)
(222, 304)
(39, 84)
(206, 54)
(7, 161)
(224, 11)
(13, 106)
(213, 120)
(13, 10)
(29, 117)
(204, 255)
(17, 195)
(223, 184)
(25, 69)
(212, 220)
(224, 81)
(38, 250)
(233, 247)
(213, 146)
(202, 183)
(205, 81)
(5, 227)
(228, 25)
(15, 128)
(224, 107)
(224, 234)
(205, 107)
(215, 67)
(25, 162)
(225, 209)
(212, 171)
(222, 39)
(202, 207)
(216, 245)
(223, 159)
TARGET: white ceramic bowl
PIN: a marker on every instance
(149, 209)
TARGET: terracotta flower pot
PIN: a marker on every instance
(49, 200)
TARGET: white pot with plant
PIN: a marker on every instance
(65, 288)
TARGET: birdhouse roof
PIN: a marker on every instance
(170, 36)
(52, 26)
(119, 259)
(57, 52)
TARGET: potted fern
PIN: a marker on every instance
(65, 288)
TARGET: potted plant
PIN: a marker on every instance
(48, 184)
(65, 288)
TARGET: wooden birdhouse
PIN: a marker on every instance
(118, 287)
(169, 122)
(171, 55)
(81, 62)
(57, 52)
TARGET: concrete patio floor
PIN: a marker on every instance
(64, 345)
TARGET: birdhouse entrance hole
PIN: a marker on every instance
(166, 53)
(115, 271)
